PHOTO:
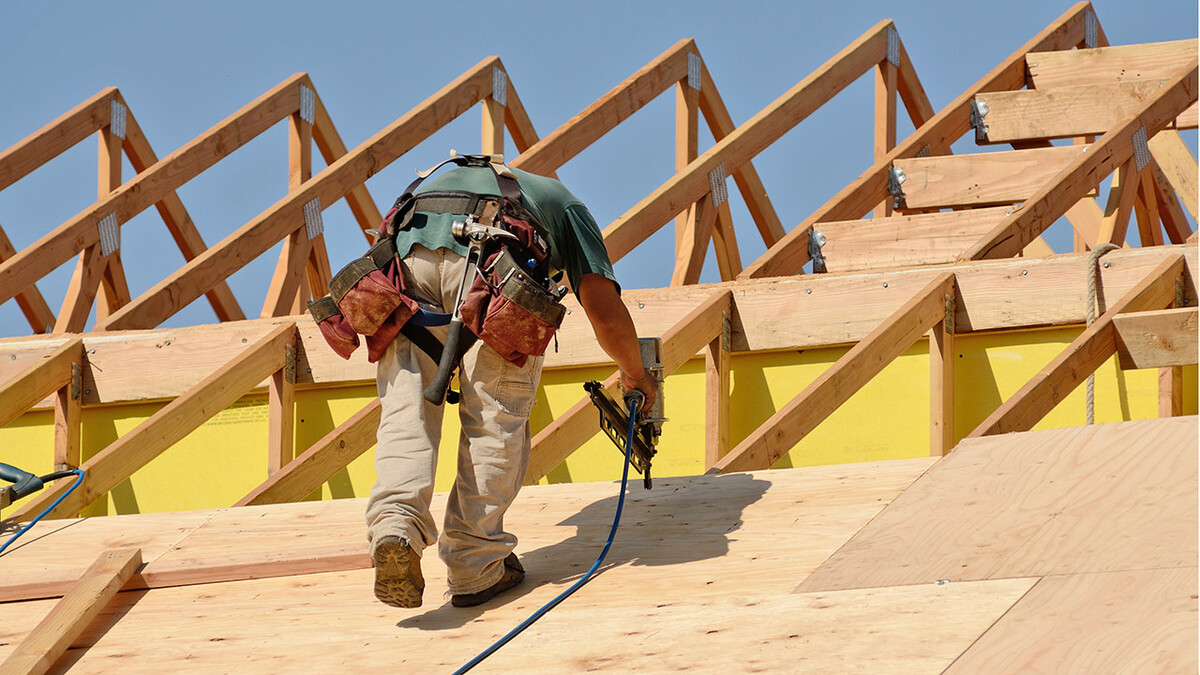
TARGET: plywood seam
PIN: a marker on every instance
(994, 623)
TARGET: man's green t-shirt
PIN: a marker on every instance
(576, 246)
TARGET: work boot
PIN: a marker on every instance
(398, 580)
(514, 574)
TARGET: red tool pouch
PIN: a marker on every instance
(510, 311)
(365, 297)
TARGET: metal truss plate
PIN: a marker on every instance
(110, 234)
(1141, 148)
(694, 75)
(716, 184)
(116, 118)
(313, 224)
(1091, 29)
(499, 86)
(308, 104)
(893, 46)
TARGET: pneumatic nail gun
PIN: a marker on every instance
(614, 419)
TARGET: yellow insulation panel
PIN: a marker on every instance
(888, 419)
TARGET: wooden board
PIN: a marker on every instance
(904, 241)
(1157, 339)
(1115, 622)
(1083, 499)
(178, 547)
(983, 178)
(698, 559)
(1125, 63)
(1065, 112)
(768, 315)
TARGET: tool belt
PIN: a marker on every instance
(510, 300)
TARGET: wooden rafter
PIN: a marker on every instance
(996, 295)
(1082, 357)
(720, 123)
(320, 462)
(573, 428)
(166, 427)
(796, 419)
(49, 640)
(576, 134)
(39, 380)
(285, 216)
(1085, 172)
(1178, 165)
(141, 157)
(149, 187)
(790, 254)
(733, 151)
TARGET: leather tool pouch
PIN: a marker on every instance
(366, 297)
(510, 304)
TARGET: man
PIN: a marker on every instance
(496, 399)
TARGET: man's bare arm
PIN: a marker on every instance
(616, 334)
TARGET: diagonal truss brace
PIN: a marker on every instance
(795, 420)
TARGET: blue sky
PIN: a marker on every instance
(183, 67)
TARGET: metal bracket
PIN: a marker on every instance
(726, 332)
(1091, 29)
(896, 178)
(312, 218)
(716, 184)
(893, 46)
(110, 234)
(308, 104)
(949, 322)
(694, 77)
(116, 118)
(1141, 148)
(499, 86)
(979, 110)
(815, 241)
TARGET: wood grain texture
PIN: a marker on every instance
(752, 137)
(769, 314)
(121, 458)
(982, 178)
(798, 417)
(50, 639)
(39, 380)
(1179, 166)
(1062, 112)
(937, 134)
(320, 462)
(873, 244)
(56, 137)
(1158, 339)
(1082, 175)
(705, 547)
(1104, 498)
(1116, 622)
(265, 230)
(579, 132)
(1102, 65)
(147, 188)
(1081, 358)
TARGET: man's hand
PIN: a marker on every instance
(645, 384)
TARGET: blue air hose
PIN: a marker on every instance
(43, 514)
(634, 402)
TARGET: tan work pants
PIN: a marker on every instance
(493, 448)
